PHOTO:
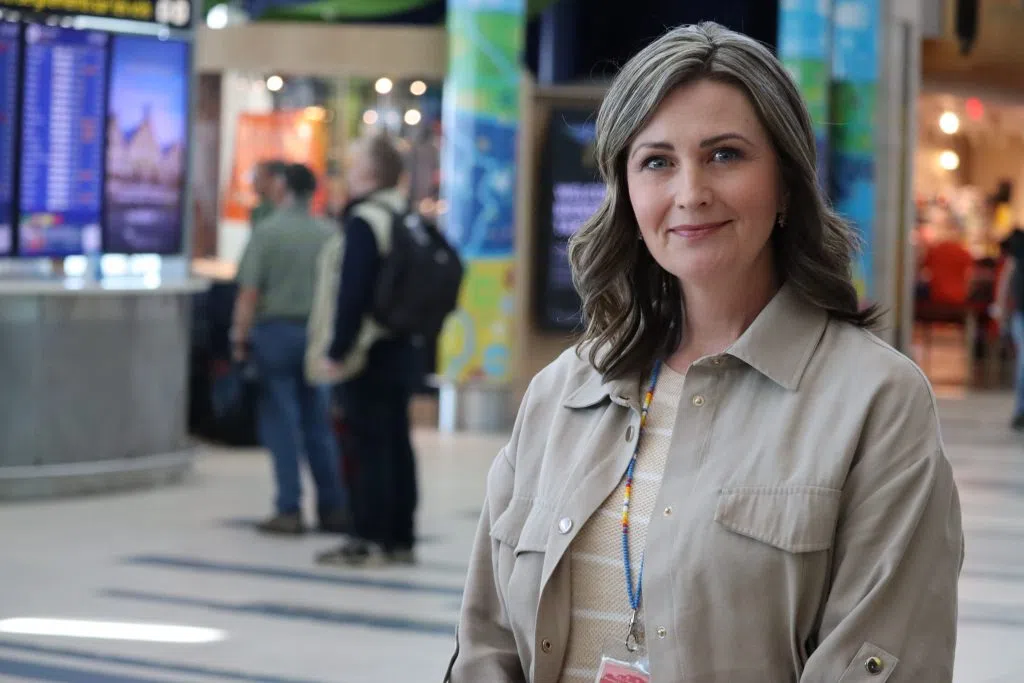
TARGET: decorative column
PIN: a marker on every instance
(804, 46)
(855, 112)
(481, 120)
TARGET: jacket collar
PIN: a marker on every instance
(592, 389)
(778, 344)
(781, 340)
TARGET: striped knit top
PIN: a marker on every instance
(600, 607)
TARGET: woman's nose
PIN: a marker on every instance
(691, 188)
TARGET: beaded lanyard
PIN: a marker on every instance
(632, 641)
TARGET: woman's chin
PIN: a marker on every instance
(700, 271)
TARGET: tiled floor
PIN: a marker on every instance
(184, 556)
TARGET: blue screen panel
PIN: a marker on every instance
(146, 145)
(62, 136)
(10, 67)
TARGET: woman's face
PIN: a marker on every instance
(704, 183)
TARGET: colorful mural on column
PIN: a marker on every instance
(805, 29)
(855, 67)
(481, 121)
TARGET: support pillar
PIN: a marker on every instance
(856, 51)
(481, 122)
(804, 46)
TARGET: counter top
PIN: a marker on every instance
(107, 287)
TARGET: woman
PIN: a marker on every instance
(789, 513)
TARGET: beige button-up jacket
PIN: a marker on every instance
(814, 534)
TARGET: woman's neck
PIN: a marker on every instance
(716, 317)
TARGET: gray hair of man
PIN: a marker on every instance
(387, 160)
(633, 309)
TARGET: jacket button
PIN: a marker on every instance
(629, 434)
(545, 645)
(565, 525)
(668, 511)
(662, 632)
(874, 666)
(698, 400)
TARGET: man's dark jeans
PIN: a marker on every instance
(294, 418)
(376, 408)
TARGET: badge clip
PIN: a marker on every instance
(632, 637)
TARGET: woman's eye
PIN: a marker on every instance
(726, 154)
(655, 163)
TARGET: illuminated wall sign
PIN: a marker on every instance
(172, 13)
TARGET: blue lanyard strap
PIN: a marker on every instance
(634, 593)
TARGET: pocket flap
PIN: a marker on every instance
(524, 525)
(797, 519)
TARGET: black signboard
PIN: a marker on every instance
(570, 193)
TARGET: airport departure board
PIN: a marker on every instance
(62, 141)
(10, 63)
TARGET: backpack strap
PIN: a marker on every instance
(381, 218)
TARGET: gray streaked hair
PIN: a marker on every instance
(388, 163)
(633, 309)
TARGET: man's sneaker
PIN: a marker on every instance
(353, 553)
(289, 524)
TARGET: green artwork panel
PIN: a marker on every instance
(484, 61)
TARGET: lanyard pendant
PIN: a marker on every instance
(632, 635)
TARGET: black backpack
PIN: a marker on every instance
(419, 280)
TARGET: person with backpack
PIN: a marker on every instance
(385, 279)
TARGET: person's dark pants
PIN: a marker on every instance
(375, 404)
(294, 418)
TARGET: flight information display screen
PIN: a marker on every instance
(62, 141)
(10, 68)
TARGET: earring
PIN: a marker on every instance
(780, 219)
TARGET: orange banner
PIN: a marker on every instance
(298, 137)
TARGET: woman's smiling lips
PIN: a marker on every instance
(696, 230)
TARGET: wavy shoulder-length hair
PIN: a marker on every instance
(634, 309)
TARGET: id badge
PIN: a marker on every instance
(617, 671)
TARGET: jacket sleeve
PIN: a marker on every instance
(359, 268)
(485, 647)
(890, 615)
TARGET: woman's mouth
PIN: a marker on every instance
(697, 230)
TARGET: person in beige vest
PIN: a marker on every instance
(374, 369)
(789, 512)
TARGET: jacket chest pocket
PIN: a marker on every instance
(521, 535)
(796, 519)
(770, 558)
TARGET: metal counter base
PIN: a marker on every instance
(79, 479)
(473, 408)
(93, 387)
